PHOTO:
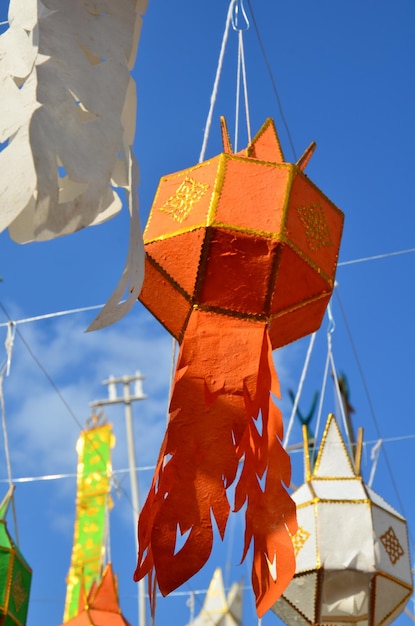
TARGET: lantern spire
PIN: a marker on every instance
(333, 460)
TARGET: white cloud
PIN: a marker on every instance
(46, 412)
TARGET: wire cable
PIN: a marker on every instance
(376, 257)
(217, 79)
(369, 399)
(273, 82)
(300, 389)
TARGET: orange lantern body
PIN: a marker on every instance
(246, 235)
(241, 254)
(100, 607)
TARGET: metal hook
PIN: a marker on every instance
(240, 21)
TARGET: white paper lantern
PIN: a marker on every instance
(353, 562)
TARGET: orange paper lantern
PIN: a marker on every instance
(241, 254)
(100, 607)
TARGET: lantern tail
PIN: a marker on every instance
(220, 394)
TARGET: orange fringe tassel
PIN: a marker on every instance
(221, 414)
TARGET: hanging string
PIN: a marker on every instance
(300, 389)
(216, 83)
(107, 533)
(240, 24)
(374, 456)
(369, 400)
(191, 604)
(47, 316)
(323, 391)
(238, 89)
(5, 371)
(339, 398)
(248, 122)
(172, 371)
(273, 82)
(376, 257)
(11, 331)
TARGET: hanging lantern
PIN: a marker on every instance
(219, 608)
(15, 576)
(353, 563)
(92, 503)
(100, 607)
(241, 254)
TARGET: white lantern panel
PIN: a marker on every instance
(334, 489)
(344, 536)
(390, 599)
(345, 595)
(303, 494)
(392, 549)
(380, 502)
(302, 594)
(288, 614)
(305, 546)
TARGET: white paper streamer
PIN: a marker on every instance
(67, 119)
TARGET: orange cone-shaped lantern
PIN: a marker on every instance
(241, 258)
(100, 607)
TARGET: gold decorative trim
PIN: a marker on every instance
(18, 592)
(297, 307)
(331, 418)
(179, 175)
(392, 545)
(170, 279)
(187, 195)
(389, 509)
(299, 539)
(316, 228)
(337, 478)
(251, 146)
(312, 263)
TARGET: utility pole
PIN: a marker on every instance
(129, 396)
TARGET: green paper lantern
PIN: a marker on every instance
(15, 579)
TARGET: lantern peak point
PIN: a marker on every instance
(333, 459)
(265, 146)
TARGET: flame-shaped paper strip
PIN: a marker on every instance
(67, 115)
(241, 253)
(221, 413)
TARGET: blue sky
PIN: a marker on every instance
(345, 77)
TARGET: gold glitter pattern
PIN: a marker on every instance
(392, 546)
(315, 225)
(18, 592)
(188, 193)
(299, 539)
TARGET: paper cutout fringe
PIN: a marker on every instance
(67, 122)
(221, 414)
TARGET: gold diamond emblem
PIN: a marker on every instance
(299, 539)
(392, 546)
(315, 225)
(187, 195)
(18, 592)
